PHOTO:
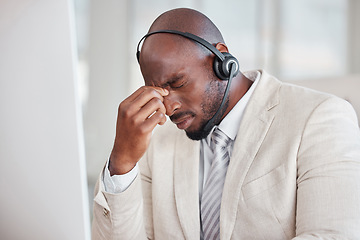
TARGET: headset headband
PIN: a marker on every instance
(193, 37)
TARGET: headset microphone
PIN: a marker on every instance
(225, 65)
(211, 122)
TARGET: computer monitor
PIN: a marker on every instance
(42, 161)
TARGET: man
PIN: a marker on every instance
(290, 167)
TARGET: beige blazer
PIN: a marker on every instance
(294, 173)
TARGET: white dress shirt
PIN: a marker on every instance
(229, 125)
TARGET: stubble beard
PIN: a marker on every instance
(213, 96)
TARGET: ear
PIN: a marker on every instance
(221, 47)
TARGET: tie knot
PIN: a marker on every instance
(219, 139)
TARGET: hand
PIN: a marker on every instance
(138, 115)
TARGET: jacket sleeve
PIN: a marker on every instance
(328, 179)
(118, 216)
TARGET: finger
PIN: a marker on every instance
(162, 91)
(135, 94)
(157, 118)
(150, 107)
(146, 96)
(163, 121)
(133, 104)
(133, 108)
(141, 90)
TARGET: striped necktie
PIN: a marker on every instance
(211, 197)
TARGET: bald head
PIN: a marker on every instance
(183, 20)
(188, 20)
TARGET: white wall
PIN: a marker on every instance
(108, 79)
(42, 164)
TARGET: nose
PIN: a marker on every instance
(171, 104)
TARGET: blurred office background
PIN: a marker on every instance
(315, 43)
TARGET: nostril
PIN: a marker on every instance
(171, 105)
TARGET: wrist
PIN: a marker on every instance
(118, 166)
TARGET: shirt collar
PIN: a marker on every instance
(231, 123)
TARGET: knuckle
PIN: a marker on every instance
(153, 103)
(161, 115)
(153, 92)
(133, 121)
(142, 130)
(157, 102)
(162, 107)
(125, 112)
(121, 106)
(143, 88)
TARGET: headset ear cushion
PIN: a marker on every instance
(221, 68)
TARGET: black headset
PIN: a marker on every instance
(225, 65)
(222, 61)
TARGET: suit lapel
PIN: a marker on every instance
(186, 181)
(253, 128)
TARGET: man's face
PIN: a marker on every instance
(195, 93)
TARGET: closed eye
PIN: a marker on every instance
(177, 85)
(177, 81)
